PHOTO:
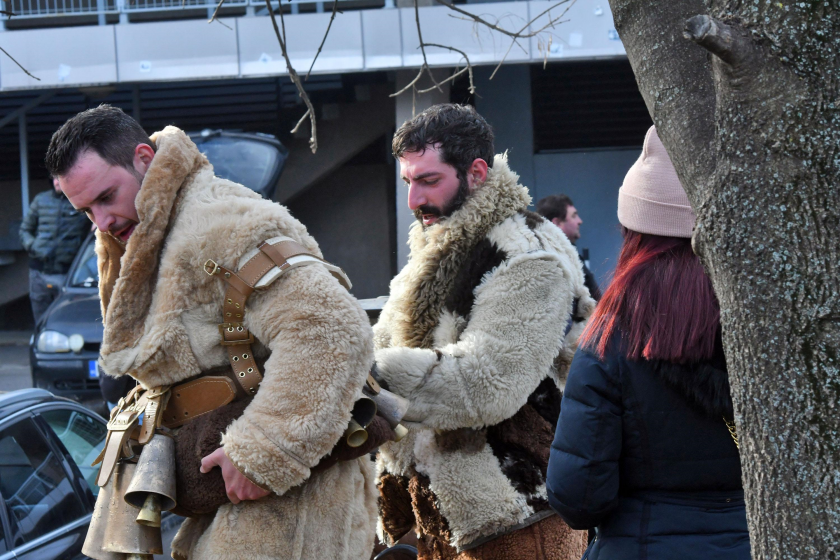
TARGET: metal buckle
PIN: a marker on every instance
(236, 327)
(211, 268)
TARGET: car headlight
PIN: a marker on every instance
(52, 341)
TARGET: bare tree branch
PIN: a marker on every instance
(19, 65)
(324, 40)
(426, 69)
(468, 68)
(300, 122)
(423, 47)
(216, 11)
(513, 34)
(310, 110)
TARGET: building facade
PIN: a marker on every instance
(564, 103)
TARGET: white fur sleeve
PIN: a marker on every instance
(321, 351)
(515, 330)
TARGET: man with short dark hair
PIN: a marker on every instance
(560, 211)
(51, 233)
(478, 333)
(176, 245)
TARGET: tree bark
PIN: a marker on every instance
(744, 96)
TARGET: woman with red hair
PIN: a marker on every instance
(645, 450)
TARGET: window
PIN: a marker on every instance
(83, 436)
(86, 274)
(586, 105)
(39, 497)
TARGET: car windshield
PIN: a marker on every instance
(86, 275)
(247, 162)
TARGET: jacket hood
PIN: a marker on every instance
(439, 251)
(128, 273)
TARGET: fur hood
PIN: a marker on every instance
(137, 261)
(477, 333)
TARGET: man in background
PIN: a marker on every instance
(51, 233)
(559, 210)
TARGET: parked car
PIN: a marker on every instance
(64, 348)
(47, 486)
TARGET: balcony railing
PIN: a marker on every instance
(52, 8)
(63, 8)
(136, 6)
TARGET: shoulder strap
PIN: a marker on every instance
(258, 268)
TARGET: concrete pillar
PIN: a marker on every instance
(100, 10)
(407, 105)
(24, 163)
(505, 102)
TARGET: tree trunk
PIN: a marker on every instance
(744, 97)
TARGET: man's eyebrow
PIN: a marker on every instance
(426, 175)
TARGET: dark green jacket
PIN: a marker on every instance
(52, 233)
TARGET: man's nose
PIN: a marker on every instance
(103, 221)
(415, 197)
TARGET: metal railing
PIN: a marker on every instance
(58, 8)
(52, 8)
(135, 6)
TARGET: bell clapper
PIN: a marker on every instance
(150, 512)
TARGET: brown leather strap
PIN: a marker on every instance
(281, 252)
(235, 337)
(196, 398)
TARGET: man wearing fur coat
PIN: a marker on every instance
(478, 333)
(161, 213)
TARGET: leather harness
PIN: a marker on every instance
(174, 406)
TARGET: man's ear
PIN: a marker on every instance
(477, 173)
(556, 221)
(143, 156)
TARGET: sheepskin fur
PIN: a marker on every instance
(161, 314)
(475, 322)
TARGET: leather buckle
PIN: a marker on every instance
(211, 268)
(234, 327)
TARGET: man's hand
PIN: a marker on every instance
(237, 485)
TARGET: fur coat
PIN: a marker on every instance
(478, 333)
(161, 315)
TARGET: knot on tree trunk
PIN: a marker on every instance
(714, 36)
(739, 59)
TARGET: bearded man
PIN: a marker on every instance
(478, 334)
(161, 215)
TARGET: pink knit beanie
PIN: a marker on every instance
(652, 200)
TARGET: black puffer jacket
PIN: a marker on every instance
(642, 452)
(52, 232)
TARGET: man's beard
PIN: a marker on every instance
(451, 207)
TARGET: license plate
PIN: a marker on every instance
(93, 369)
